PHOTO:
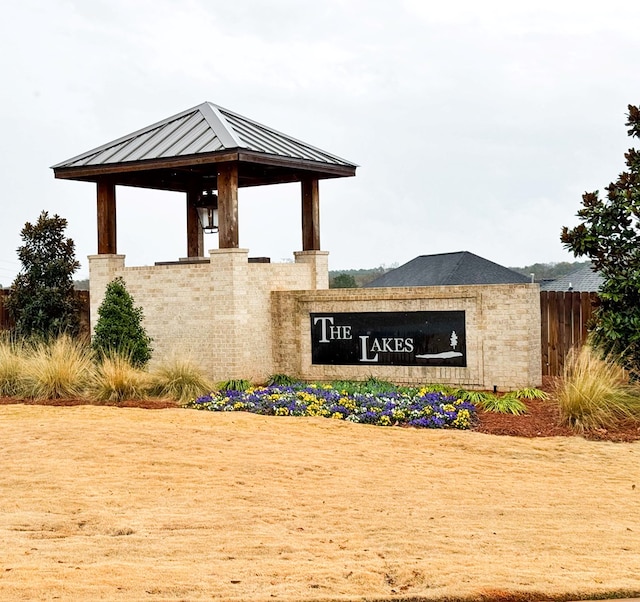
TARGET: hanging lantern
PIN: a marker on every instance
(207, 207)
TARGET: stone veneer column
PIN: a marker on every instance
(102, 270)
(319, 261)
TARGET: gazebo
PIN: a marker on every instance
(198, 151)
(216, 309)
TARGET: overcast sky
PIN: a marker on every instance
(477, 126)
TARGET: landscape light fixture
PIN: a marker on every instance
(207, 207)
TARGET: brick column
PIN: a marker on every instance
(319, 264)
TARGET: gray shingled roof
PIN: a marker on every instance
(205, 128)
(458, 268)
(582, 280)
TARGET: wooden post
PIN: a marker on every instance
(310, 215)
(195, 235)
(228, 237)
(106, 196)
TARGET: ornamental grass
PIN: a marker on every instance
(417, 407)
(595, 392)
(60, 369)
(117, 380)
(179, 379)
(11, 366)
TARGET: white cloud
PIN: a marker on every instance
(472, 122)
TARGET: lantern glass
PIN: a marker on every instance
(207, 207)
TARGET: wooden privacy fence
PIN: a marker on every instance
(82, 296)
(564, 319)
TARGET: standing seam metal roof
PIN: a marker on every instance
(205, 128)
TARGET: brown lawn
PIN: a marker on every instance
(103, 503)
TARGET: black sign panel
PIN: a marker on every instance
(417, 338)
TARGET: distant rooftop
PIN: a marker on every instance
(582, 280)
(459, 268)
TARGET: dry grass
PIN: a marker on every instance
(63, 368)
(179, 379)
(101, 503)
(595, 393)
(117, 380)
(11, 366)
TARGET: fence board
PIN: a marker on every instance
(564, 317)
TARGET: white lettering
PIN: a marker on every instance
(323, 327)
(363, 350)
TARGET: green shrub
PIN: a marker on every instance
(504, 404)
(119, 328)
(595, 392)
(475, 397)
(529, 393)
(180, 380)
(234, 384)
(372, 385)
(283, 380)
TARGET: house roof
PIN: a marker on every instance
(459, 268)
(582, 280)
(196, 139)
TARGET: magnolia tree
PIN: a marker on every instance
(609, 234)
(42, 300)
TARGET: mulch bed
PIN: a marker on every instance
(541, 420)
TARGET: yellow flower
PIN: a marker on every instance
(463, 420)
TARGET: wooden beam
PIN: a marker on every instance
(310, 215)
(77, 173)
(195, 235)
(106, 196)
(228, 237)
(93, 172)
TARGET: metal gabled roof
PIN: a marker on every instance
(206, 128)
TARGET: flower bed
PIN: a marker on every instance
(422, 408)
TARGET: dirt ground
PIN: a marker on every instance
(106, 503)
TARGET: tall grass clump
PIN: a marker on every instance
(58, 368)
(117, 380)
(11, 366)
(595, 392)
(179, 379)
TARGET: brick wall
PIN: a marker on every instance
(248, 320)
(217, 312)
(502, 333)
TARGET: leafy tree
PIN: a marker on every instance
(343, 281)
(41, 299)
(610, 236)
(119, 328)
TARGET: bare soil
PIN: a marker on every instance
(122, 503)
